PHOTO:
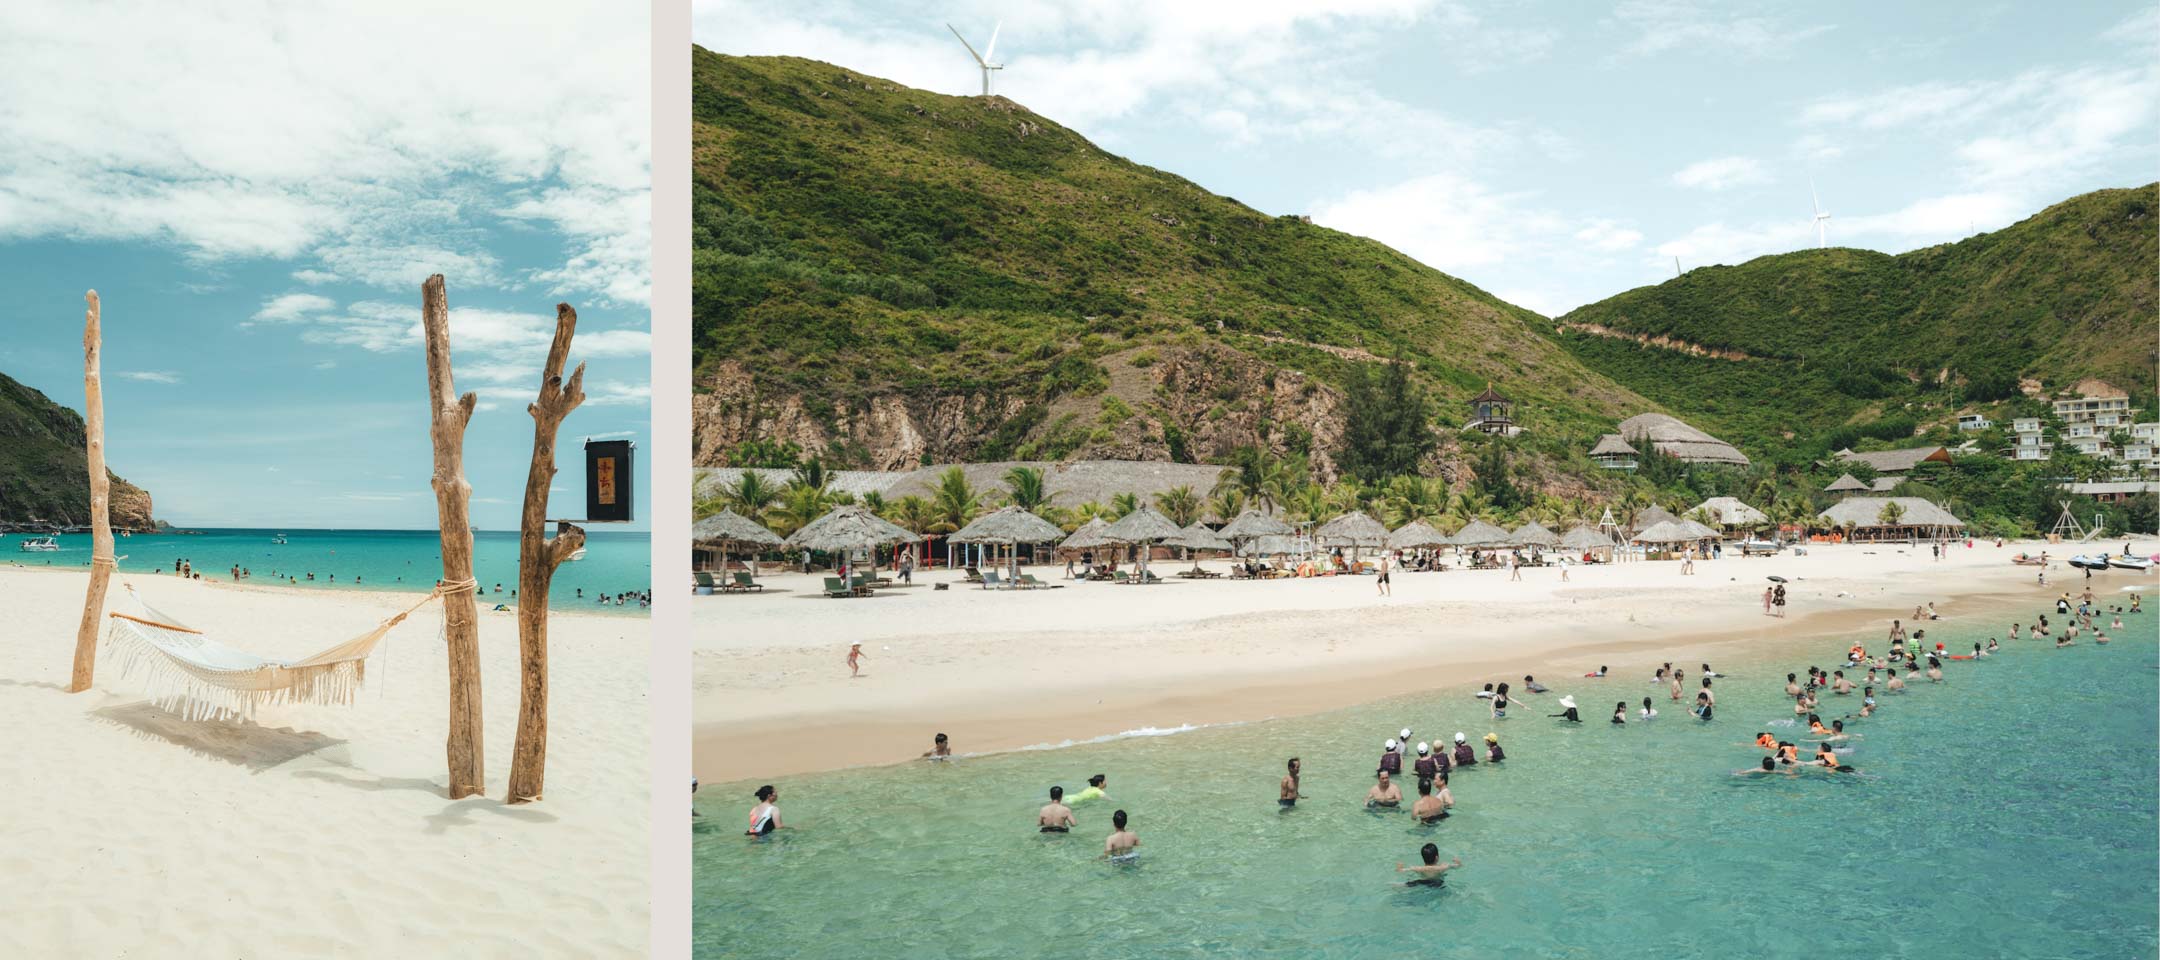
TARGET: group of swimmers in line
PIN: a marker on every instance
(1703, 706)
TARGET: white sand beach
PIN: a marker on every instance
(1004, 670)
(316, 831)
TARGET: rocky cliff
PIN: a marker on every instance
(44, 471)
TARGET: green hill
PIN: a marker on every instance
(1840, 335)
(44, 476)
(887, 276)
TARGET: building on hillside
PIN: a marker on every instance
(1846, 484)
(1974, 421)
(1674, 438)
(1733, 514)
(2115, 491)
(2086, 409)
(2031, 442)
(1894, 461)
(1886, 484)
(1613, 453)
(1862, 518)
(1492, 413)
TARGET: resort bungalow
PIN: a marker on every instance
(1492, 413)
(2113, 492)
(1846, 484)
(1673, 438)
(1895, 461)
(1613, 453)
(1974, 421)
(1866, 519)
(1731, 514)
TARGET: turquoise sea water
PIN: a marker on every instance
(615, 561)
(2013, 810)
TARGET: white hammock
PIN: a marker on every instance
(199, 678)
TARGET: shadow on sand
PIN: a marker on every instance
(245, 742)
(454, 814)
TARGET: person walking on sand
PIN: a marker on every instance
(1778, 600)
(1290, 795)
(1121, 843)
(1514, 569)
(1766, 597)
(1055, 817)
(854, 658)
(1385, 566)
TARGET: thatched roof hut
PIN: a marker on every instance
(1613, 445)
(1478, 533)
(1253, 523)
(1651, 516)
(1353, 529)
(851, 527)
(1846, 483)
(1088, 537)
(1416, 533)
(728, 528)
(1198, 537)
(1008, 525)
(1668, 531)
(1141, 526)
(1731, 512)
(1701, 531)
(1669, 436)
(1863, 516)
(1535, 534)
(1585, 537)
(1896, 461)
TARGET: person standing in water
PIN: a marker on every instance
(1428, 808)
(1648, 712)
(765, 817)
(1493, 753)
(1290, 795)
(940, 749)
(1121, 844)
(1429, 873)
(1384, 794)
(1055, 817)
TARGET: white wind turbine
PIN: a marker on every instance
(1822, 231)
(982, 59)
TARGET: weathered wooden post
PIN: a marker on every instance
(538, 557)
(101, 538)
(461, 626)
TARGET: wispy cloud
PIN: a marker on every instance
(290, 307)
(1720, 173)
(149, 376)
(1665, 25)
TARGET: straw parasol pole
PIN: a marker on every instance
(1009, 526)
(538, 557)
(1197, 536)
(1143, 526)
(101, 538)
(728, 529)
(1249, 526)
(461, 626)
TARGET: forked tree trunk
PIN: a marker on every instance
(101, 555)
(538, 557)
(461, 627)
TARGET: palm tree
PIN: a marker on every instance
(800, 506)
(912, 512)
(811, 474)
(1180, 504)
(1027, 489)
(1122, 504)
(1080, 515)
(750, 495)
(1246, 476)
(1890, 514)
(1226, 503)
(876, 502)
(954, 502)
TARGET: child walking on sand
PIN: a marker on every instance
(854, 657)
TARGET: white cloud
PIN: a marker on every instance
(1720, 173)
(1664, 25)
(1917, 224)
(287, 145)
(150, 376)
(314, 277)
(290, 307)
(1609, 236)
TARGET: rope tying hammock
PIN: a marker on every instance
(195, 676)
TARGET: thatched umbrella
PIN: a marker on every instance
(1143, 526)
(1416, 533)
(1250, 526)
(728, 529)
(1356, 528)
(1586, 537)
(1088, 537)
(1478, 533)
(1010, 527)
(848, 528)
(1700, 530)
(1847, 483)
(1666, 532)
(1534, 534)
(1198, 537)
(1651, 516)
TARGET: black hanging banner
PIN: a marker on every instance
(609, 481)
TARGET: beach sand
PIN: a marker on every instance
(316, 831)
(1006, 670)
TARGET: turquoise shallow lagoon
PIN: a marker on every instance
(615, 561)
(2013, 810)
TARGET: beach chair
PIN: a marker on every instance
(1118, 576)
(743, 582)
(1029, 578)
(974, 575)
(861, 584)
(1148, 576)
(990, 581)
(704, 583)
(836, 587)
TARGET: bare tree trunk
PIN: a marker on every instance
(101, 555)
(538, 557)
(468, 768)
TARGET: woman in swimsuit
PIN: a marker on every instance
(765, 817)
(1619, 712)
(1500, 702)
(1648, 712)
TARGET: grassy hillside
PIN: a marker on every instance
(43, 473)
(857, 239)
(1839, 334)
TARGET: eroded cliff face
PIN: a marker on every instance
(1192, 404)
(129, 506)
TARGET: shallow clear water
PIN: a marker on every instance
(615, 561)
(2013, 810)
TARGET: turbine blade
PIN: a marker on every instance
(1816, 201)
(991, 50)
(963, 42)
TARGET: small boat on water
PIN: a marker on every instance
(2127, 562)
(39, 545)
(280, 538)
(2090, 563)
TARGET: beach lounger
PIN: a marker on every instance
(743, 582)
(974, 575)
(1118, 576)
(990, 581)
(1149, 576)
(861, 583)
(836, 587)
(1029, 578)
(704, 583)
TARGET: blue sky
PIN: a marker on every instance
(257, 194)
(1556, 153)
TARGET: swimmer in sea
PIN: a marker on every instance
(1485, 694)
(1055, 817)
(1442, 794)
(1787, 753)
(1706, 671)
(1896, 685)
(2099, 637)
(940, 749)
(1429, 874)
(1384, 794)
(1425, 767)
(1619, 712)
(1867, 702)
(1094, 790)
(1934, 669)
(1493, 753)
(1428, 808)
(1391, 756)
(765, 817)
(1704, 705)
(1799, 706)
(1768, 766)
(1121, 844)
(1567, 711)
(1677, 676)
(1290, 795)
(1792, 685)
(1500, 703)
(1464, 756)
(1533, 686)
(1648, 712)
(1835, 734)
(1840, 685)
(1600, 674)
